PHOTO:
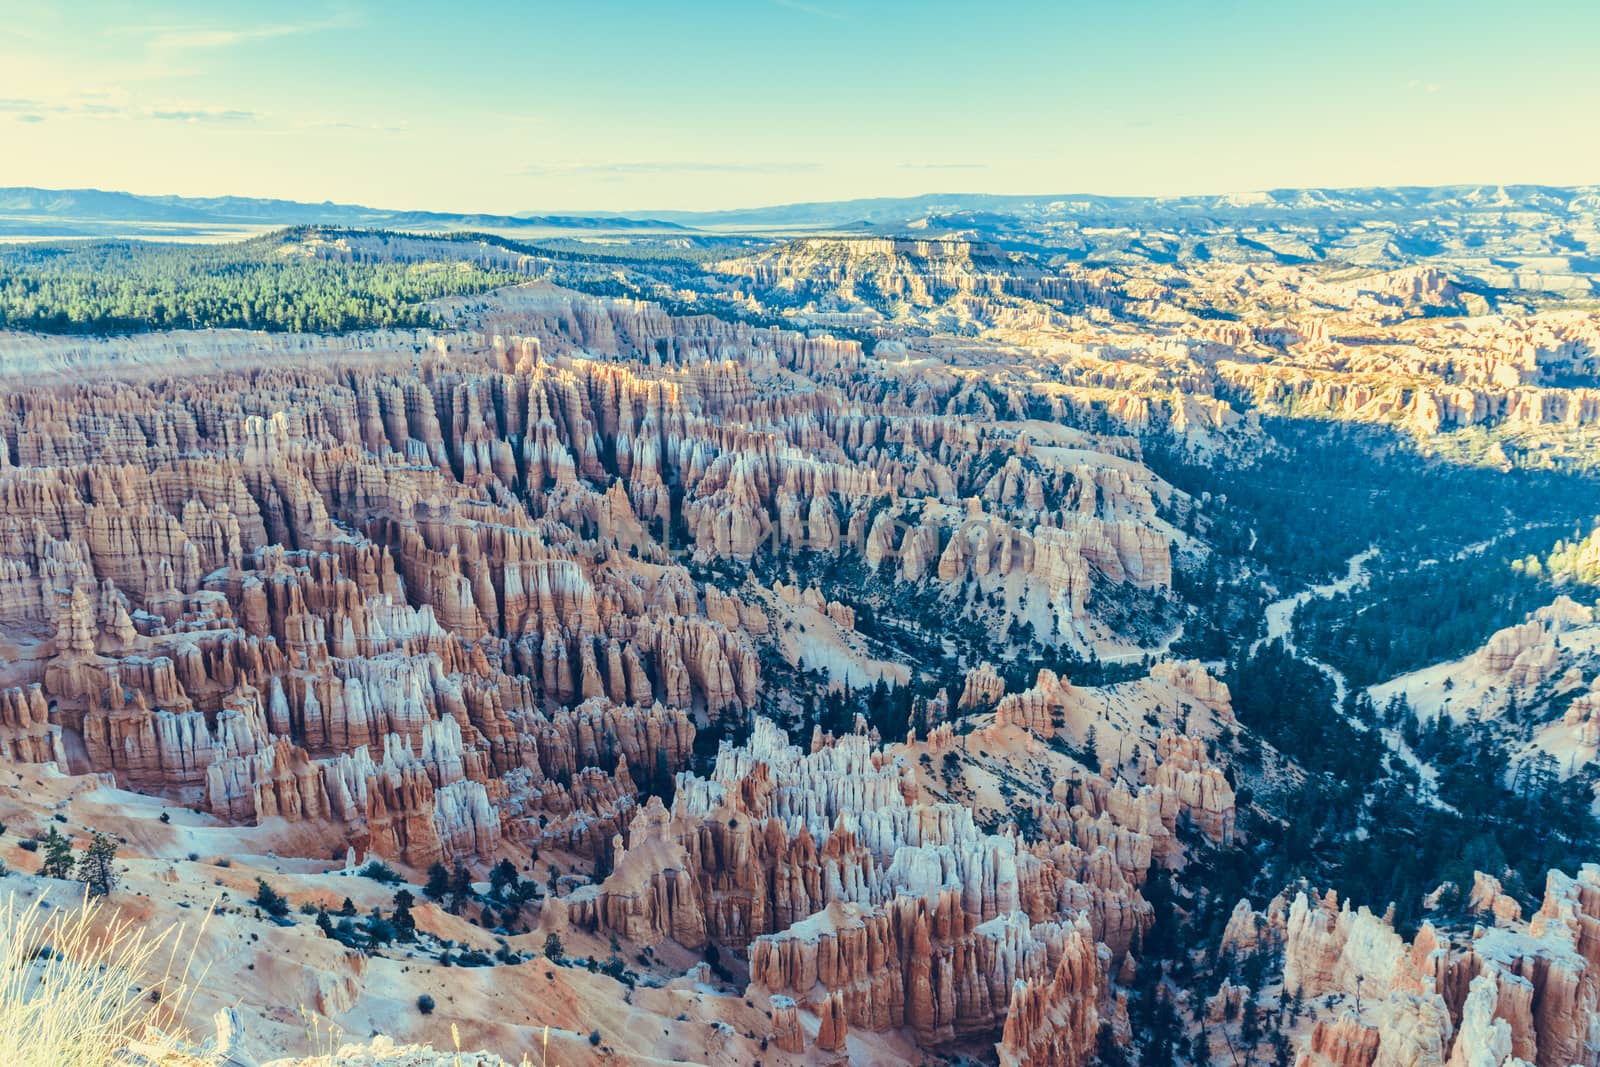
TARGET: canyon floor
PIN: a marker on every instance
(1053, 636)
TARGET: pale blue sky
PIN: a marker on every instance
(537, 105)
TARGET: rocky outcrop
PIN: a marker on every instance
(983, 686)
(1183, 774)
(1526, 655)
(852, 896)
(1487, 897)
(1516, 990)
(26, 733)
(787, 1034)
(1249, 931)
(835, 1024)
(1056, 1022)
(1040, 709)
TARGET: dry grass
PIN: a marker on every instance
(78, 988)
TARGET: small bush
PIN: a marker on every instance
(380, 931)
(594, 1038)
(28, 844)
(380, 872)
(269, 900)
(425, 1004)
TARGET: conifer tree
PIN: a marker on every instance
(57, 855)
(98, 867)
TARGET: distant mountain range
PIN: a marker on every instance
(1511, 227)
(1274, 206)
(75, 212)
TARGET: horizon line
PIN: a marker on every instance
(648, 213)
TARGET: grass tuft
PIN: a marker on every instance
(76, 990)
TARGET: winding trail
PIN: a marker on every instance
(1280, 619)
(1280, 616)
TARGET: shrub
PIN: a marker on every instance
(425, 1004)
(553, 948)
(594, 1038)
(380, 872)
(380, 931)
(269, 900)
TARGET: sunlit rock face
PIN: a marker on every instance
(1514, 992)
(455, 605)
(597, 590)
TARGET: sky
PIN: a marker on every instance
(540, 106)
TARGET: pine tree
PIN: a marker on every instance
(57, 855)
(405, 924)
(380, 931)
(438, 884)
(502, 876)
(460, 887)
(98, 867)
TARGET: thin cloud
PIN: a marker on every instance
(629, 169)
(198, 38)
(943, 166)
(33, 110)
(204, 115)
(344, 125)
(187, 38)
(28, 105)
